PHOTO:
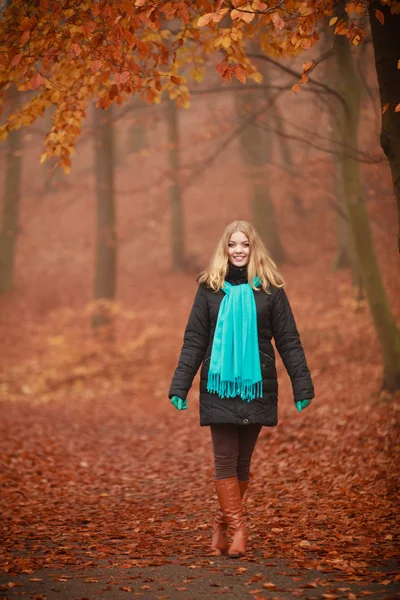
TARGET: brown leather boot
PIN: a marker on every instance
(219, 543)
(228, 492)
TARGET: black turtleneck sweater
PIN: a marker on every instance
(236, 275)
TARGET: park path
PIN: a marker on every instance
(112, 498)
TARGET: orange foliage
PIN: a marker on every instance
(69, 53)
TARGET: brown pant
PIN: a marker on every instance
(233, 447)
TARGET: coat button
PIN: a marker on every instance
(245, 421)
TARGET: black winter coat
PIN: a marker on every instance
(274, 320)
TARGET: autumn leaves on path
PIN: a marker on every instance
(120, 486)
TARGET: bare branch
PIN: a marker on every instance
(222, 147)
(354, 153)
(298, 75)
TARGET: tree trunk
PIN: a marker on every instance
(386, 42)
(288, 161)
(175, 193)
(137, 140)
(388, 334)
(11, 202)
(346, 253)
(336, 117)
(256, 149)
(106, 239)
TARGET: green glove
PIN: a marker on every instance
(301, 404)
(179, 403)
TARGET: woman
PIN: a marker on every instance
(239, 307)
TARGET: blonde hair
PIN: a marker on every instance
(260, 263)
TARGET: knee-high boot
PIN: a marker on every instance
(230, 501)
(219, 543)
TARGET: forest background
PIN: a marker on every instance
(100, 278)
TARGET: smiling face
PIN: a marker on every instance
(238, 249)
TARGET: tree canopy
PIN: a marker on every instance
(65, 53)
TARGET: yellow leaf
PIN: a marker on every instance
(226, 42)
(198, 75)
(380, 16)
(341, 28)
(307, 66)
(247, 17)
(205, 19)
(333, 21)
(257, 77)
(236, 34)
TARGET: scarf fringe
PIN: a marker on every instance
(238, 387)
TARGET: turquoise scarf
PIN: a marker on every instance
(235, 368)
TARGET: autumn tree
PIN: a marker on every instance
(106, 239)
(11, 200)
(69, 53)
(385, 324)
(287, 156)
(385, 28)
(136, 140)
(174, 188)
(344, 255)
(11, 194)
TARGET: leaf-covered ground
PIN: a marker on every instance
(98, 491)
